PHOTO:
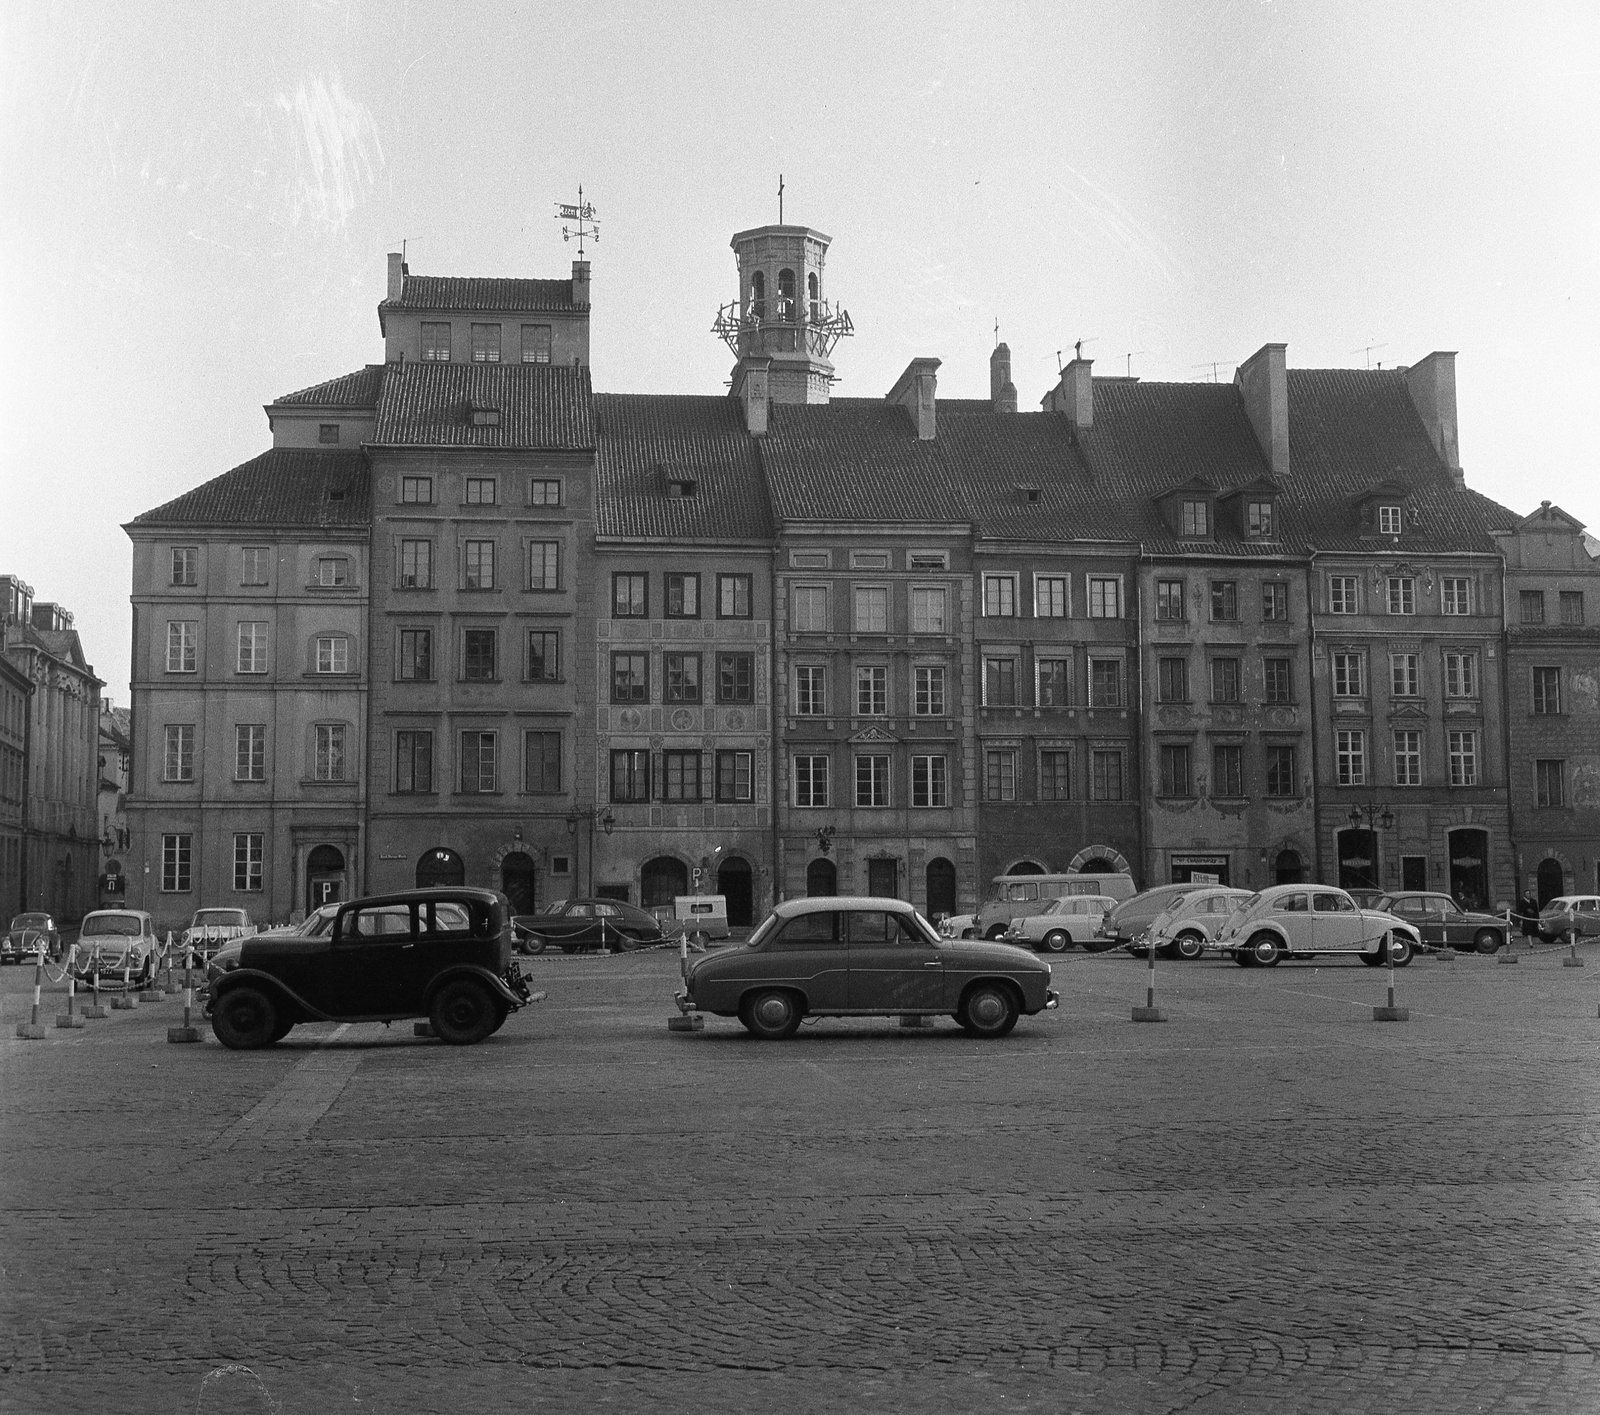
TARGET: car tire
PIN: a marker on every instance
(282, 1029)
(771, 1014)
(1488, 941)
(244, 1019)
(1169, 951)
(463, 1012)
(1265, 950)
(1189, 945)
(1372, 960)
(1057, 941)
(502, 1010)
(969, 933)
(988, 1010)
(1242, 957)
(1402, 949)
(996, 931)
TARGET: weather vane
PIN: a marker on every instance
(586, 227)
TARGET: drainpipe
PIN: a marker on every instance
(1505, 735)
(1138, 707)
(1311, 709)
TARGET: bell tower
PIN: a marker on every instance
(782, 323)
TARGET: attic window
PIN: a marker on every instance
(1196, 518)
(869, 559)
(928, 560)
(485, 417)
(1029, 494)
(1258, 519)
(327, 432)
(337, 494)
(1390, 521)
(682, 486)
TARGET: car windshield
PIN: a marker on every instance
(31, 921)
(218, 918)
(1249, 903)
(1058, 906)
(763, 931)
(927, 928)
(112, 926)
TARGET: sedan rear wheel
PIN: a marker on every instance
(1488, 941)
(988, 1010)
(1266, 950)
(1190, 945)
(1057, 941)
(771, 1015)
(1401, 950)
(463, 1012)
(244, 1019)
(1242, 957)
(996, 931)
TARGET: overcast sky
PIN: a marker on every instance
(198, 200)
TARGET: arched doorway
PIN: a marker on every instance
(1358, 859)
(519, 882)
(662, 880)
(1552, 881)
(440, 867)
(941, 888)
(1469, 868)
(736, 884)
(1098, 865)
(1026, 867)
(325, 879)
(821, 879)
(1289, 868)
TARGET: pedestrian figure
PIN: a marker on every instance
(1528, 908)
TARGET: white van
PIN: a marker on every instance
(1020, 896)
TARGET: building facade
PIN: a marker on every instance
(116, 758)
(16, 688)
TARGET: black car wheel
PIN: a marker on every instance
(1242, 957)
(534, 943)
(1372, 960)
(244, 1019)
(1265, 950)
(1057, 941)
(1400, 947)
(996, 931)
(1190, 945)
(463, 1013)
(284, 1027)
(1488, 941)
(502, 1010)
(988, 1010)
(771, 1015)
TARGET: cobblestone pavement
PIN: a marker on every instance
(1270, 1203)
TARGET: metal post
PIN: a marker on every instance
(1508, 954)
(1391, 1013)
(1149, 1012)
(188, 1032)
(70, 1017)
(31, 1031)
(96, 1008)
(127, 1000)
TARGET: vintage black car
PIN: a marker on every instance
(864, 957)
(443, 954)
(574, 925)
(1445, 924)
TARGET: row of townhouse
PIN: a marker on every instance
(469, 620)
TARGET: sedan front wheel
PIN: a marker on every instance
(244, 1019)
(771, 1015)
(988, 1010)
(1265, 950)
(463, 1013)
(1190, 945)
(1057, 941)
(1488, 941)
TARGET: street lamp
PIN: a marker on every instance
(607, 821)
(1371, 814)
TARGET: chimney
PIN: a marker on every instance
(1002, 391)
(580, 282)
(1263, 383)
(1074, 395)
(915, 390)
(397, 273)
(750, 388)
(1432, 385)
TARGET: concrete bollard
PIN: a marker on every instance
(70, 1018)
(31, 1030)
(915, 1022)
(685, 1021)
(188, 1032)
(1390, 1013)
(1150, 1012)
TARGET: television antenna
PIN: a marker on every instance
(582, 214)
(1137, 353)
(1214, 365)
(1367, 350)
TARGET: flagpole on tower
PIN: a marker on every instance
(780, 198)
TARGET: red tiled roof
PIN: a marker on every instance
(482, 294)
(288, 486)
(547, 406)
(351, 390)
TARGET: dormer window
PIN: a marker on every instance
(1029, 494)
(485, 417)
(1196, 519)
(1258, 519)
(1390, 520)
(328, 432)
(678, 487)
(337, 494)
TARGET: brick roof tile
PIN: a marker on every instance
(480, 294)
(352, 390)
(288, 486)
(546, 406)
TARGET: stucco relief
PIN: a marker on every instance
(1585, 692)
(1586, 783)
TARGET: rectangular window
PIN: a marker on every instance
(248, 850)
(435, 342)
(1176, 779)
(811, 690)
(416, 491)
(415, 664)
(1054, 680)
(1408, 759)
(1402, 594)
(733, 597)
(1460, 675)
(735, 776)
(250, 752)
(630, 596)
(333, 572)
(683, 596)
(1000, 776)
(1105, 597)
(1224, 600)
(1572, 606)
(544, 655)
(1105, 682)
(872, 609)
(930, 695)
(1350, 757)
(1281, 778)
(544, 565)
(182, 645)
(683, 677)
(480, 491)
(328, 743)
(735, 678)
(1055, 775)
(485, 343)
(811, 781)
(1169, 600)
(1258, 518)
(1550, 776)
(255, 564)
(180, 752)
(1349, 677)
(1532, 602)
(1274, 601)
(1404, 681)
(927, 610)
(544, 491)
(999, 596)
(1389, 522)
(479, 565)
(1547, 690)
(1196, 519)
(177, 852)
(1463, 758)
(1341, 594)
(186, 565)
(810, 609)
(252, 646)
(872, 692)
(479, 655)
(416, 564)
(536, 343)
(1105, 775)
(1227, 770)
(1224, 680)
(333, 654)
(413, 763)
(680, 776)
(1172, 680)
(930, 782)
(630, 678)
(1455, 594)
(478, 762)
(630, 776)
(1050, 596)
(1278, 680)
(999, 682)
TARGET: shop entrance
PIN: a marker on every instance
(737, 887)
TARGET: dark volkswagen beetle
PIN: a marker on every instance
(443, 954)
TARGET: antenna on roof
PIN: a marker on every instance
(587, 228)
(780, 198)
(1137, 353)
(1077, 348)
(1367, 350)
(997, 332)
(1214, 365)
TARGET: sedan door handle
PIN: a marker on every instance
(935, 964)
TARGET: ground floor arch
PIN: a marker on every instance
(1551, 880)
(1288, 867)
(662, 880)
(1099, 860)
(822, 878)
(519, 880)
(1026, 867)
(736, 884)
(1358, 859)
(941, 883)
(326, 878)
(441, 868)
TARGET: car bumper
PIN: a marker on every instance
(1052, 1000)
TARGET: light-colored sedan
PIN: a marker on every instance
(211, 928)
(1305, 920)
(1577, 913)
(1192, 921)
(1063, 922)
(116, 944)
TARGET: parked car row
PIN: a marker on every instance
(26, 933)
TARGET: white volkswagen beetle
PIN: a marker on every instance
(1304, 920)
(1193, 920)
